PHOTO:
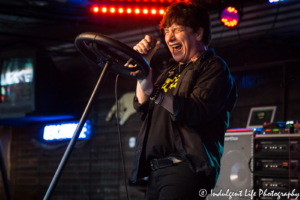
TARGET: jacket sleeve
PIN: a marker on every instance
(141, 109)
(208, 97)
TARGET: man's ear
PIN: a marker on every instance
(199, 34)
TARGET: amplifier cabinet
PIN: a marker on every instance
(276, 164)
(235, 175)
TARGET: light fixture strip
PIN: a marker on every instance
(127, 10)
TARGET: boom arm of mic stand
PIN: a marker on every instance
(73, 141)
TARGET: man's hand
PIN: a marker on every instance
(143, 48)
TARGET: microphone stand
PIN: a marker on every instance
(73, 141)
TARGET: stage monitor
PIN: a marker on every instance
(259, 115)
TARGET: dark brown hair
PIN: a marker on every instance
(188, 14)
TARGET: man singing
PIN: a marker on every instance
(185, 112)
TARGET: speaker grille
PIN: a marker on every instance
(235, 174)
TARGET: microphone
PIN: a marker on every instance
(151, 44)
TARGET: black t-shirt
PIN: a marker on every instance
(160, 143)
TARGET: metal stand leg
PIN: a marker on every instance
(72, 143)
(4, 175)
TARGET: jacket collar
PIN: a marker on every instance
(207, 54)
(161, 79)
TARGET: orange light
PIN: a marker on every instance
(145, 11)
(104, 9)
(112, 10)
(128, 10)
(121, 10)
(161, 11)
(96, 9)
(230, 17)
(153, 11)
(137, 11)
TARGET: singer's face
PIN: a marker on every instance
(182, 42)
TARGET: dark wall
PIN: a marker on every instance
(266, 71)
(93, 171)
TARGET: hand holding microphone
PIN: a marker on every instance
(147, 47)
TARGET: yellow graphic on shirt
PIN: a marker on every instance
(170, 83)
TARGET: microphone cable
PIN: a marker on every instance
(120, 141)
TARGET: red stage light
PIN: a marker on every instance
(161, 11)
(137, 11)
(153, 11)
(145, 11)
(230, 17)
(121, 10)
(96, 9)
(128, 10)
(112, 10)
(104, 9)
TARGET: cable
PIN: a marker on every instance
(121, 149)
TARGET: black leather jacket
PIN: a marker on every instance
(203, 99)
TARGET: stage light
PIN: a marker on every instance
(96, 9)
(128, 10)
(275, 1)
(230, 16)
(163, 1)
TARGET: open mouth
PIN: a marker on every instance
(176, 47)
